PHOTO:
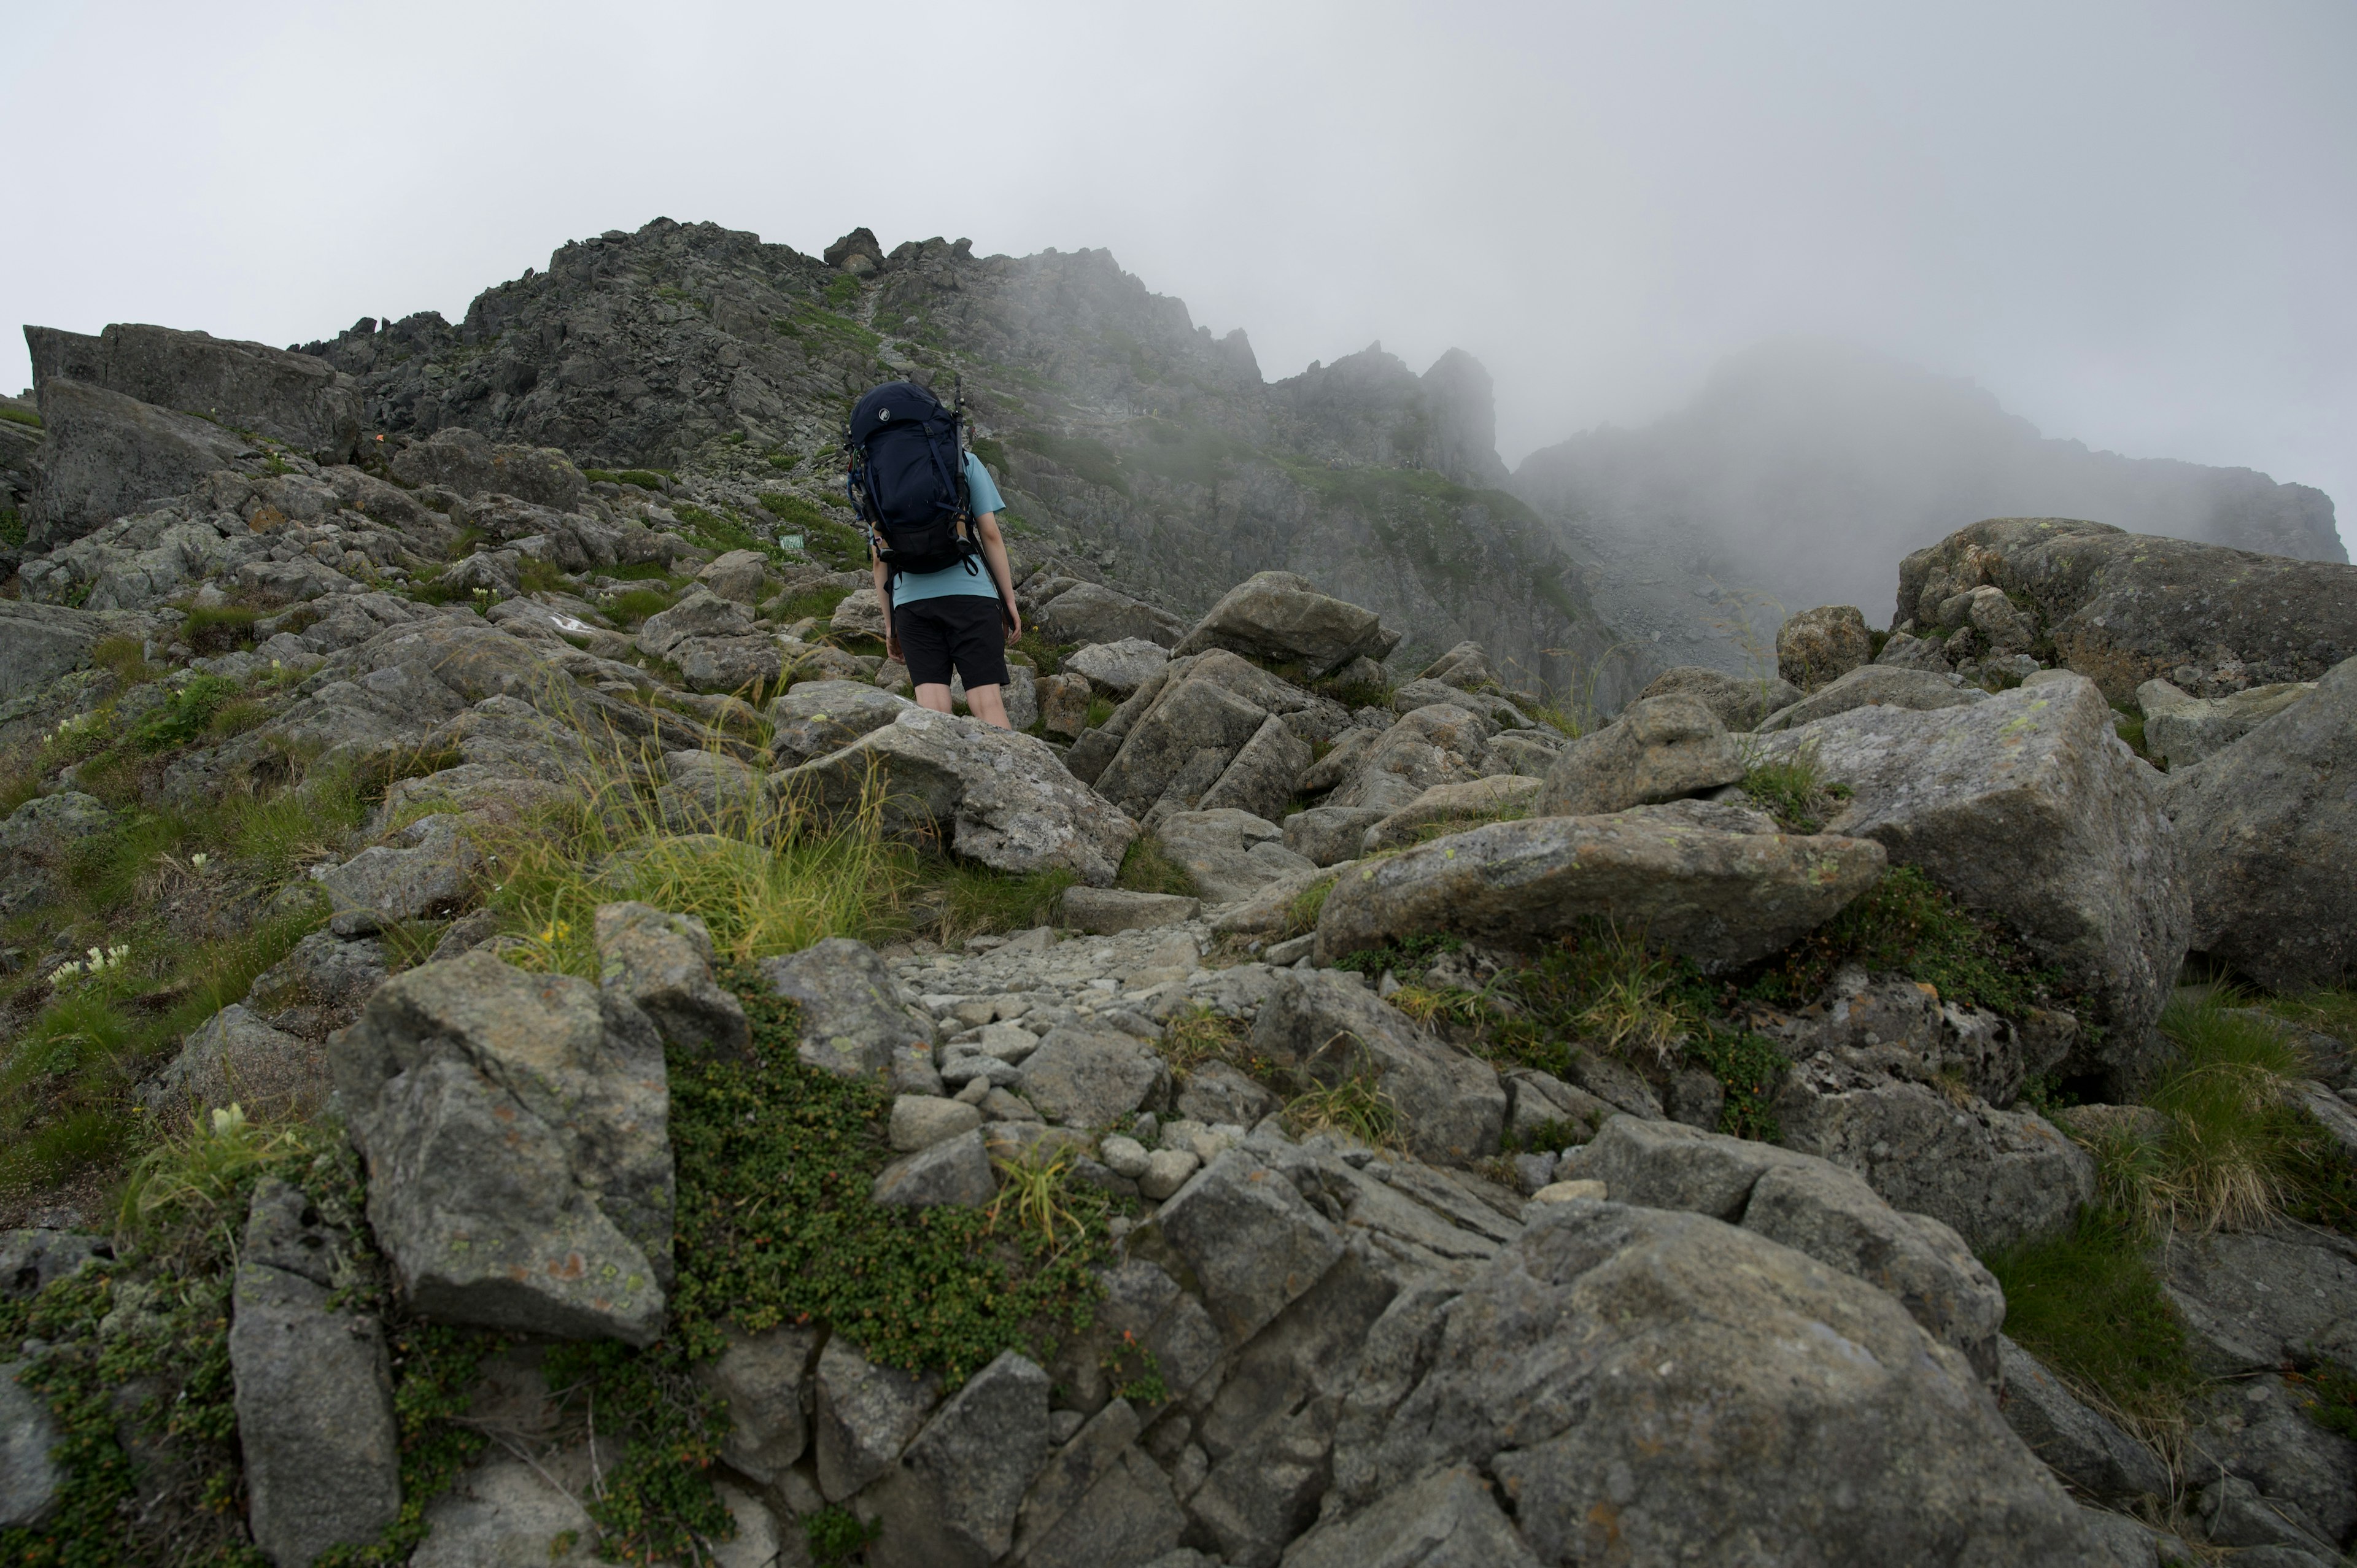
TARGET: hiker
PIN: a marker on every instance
(940, 567)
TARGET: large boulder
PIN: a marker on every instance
(1438, 744)
(1326, 1027)
(1876, 685)
(2266, 826)
(2183, 730)
(1119, 668)
(819, 717)
(1231, 854)
(314, 1386)
(235, 1057)
(1721, 897)
(1498, 795)
(473, 465)
(1282, 618)
(2029, 809)
(985, 793)
(662, 964)
(294, 398)
(1207, 733)
(32, 1470)
(106, 454)
(514, 1125)
(1996, 1176)
(40, 642)
(1654, 1386)
(1811, 1206)
(1090, 612)
(1740, 702)
(2124, 609)
(1663, 748)
(2080, 1445)
(853, 1021)
(1821, 645)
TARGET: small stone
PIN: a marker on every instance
(1569, 1191)
(1167, 1170)
(919, 1121)
(1534, 1173)
(990, 1069)
(977, 1091)
(975, 1014)
(1126, 1156)
(1290, 953)
(1064, 1425)
(1010, 1043)
(998, 1105)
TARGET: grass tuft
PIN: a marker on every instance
(2087, 1303)
(1147, 867)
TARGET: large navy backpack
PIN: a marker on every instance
(908, 479)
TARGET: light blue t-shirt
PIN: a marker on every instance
(909, 586)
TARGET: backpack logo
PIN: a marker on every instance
(882, 413)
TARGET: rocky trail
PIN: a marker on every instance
(521, 1043)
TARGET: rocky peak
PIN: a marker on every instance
(1369, 407)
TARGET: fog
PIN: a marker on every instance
(2132, 223)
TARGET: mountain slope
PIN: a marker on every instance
(1122, 433)
(1807, 467)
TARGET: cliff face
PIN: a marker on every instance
(1120, 430)
(1802, 468)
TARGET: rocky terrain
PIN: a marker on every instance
(524, 1045)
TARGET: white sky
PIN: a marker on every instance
(2134, 223)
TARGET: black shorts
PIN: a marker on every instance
(964, 631)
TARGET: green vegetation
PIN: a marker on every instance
(825, 538)
(842, 291)
(1356, 1106)
(1794, 792)
(974, 899)
(775, 1225)
(15, 416)
(12, 528)
(835, 1535)
(632, 606)
(1101, 712)
(1147, 867)
(2087, 1303)
(217, 629)
(1047, 658)
(1906, 924)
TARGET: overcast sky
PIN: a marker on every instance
(2136, 223)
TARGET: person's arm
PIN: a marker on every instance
(994, 552)
(884, 601)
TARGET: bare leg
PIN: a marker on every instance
(936, 698)
(983, 702)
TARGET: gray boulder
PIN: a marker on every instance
(2266, 825)
(1249, 1238)
(1465, 666)
(294, 398)
(1810, 1205)
(515, 1129)
(31, 1473)
(2183, 730)
(1327, 835)
(819, 717)
(858, 613)
(106, 454)
(1499, 709)
(1672, 1389)
(429, 869)
(700, 613)
(1876, 685)
(739, 574)
(2252, 1301)
(1282, 617)
(1327, 1028)
(1175, 743)
(2083, 1447)
(1821, 645)
(662, 965)
(1660, 749)
(952, 1173)
(1439, 744)
(2029, 809)
(38, 841)
(1448, 1519)
(865, 1416)
(953, 1501)
(1996, 1176)
(1231, 854)
(314, 1388)
(462, 460)
(40, 642)
(1092, 1078)
(854, 1023)
(766, 1380)
(30, 1260)
(1090, 612)
(987, 794)
(1118, 668)
(235, 1057)
(2123, 609)
(1740, 702)
(1720, 898)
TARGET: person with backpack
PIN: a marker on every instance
(941, 576)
